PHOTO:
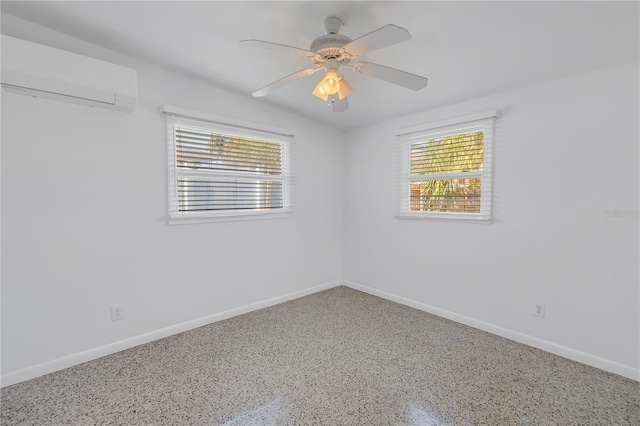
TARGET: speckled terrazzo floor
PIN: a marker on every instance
(339, 357)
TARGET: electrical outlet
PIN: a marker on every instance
(117, 312)
(538, 310)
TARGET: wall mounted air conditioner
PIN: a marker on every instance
(42, 71)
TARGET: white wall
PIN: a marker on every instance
(565, 151)
(84, 219)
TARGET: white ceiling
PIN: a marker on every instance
(467, 49)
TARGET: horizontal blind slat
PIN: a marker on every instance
(226, 148)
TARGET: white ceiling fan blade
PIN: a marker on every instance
(284, 80)
(392, 75)
(382, 37)
(279, 47)
(339, 105)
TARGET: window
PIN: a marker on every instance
(445, 169)
(223, 170)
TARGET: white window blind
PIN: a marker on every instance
(445, 169)
(222, 171)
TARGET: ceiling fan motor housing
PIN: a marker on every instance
(330, 46)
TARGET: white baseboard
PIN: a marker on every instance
(563, 351)
(94, 353)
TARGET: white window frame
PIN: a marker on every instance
(481, 121)
(177, 116)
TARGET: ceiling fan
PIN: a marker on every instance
(333, 51)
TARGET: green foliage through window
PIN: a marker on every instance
(455, 155)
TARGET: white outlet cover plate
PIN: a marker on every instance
(117, 312)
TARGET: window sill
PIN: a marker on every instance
(228, 217)
(446, 217)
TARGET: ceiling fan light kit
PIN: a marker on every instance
(332, 51)
(345, 89)
(329, 85)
